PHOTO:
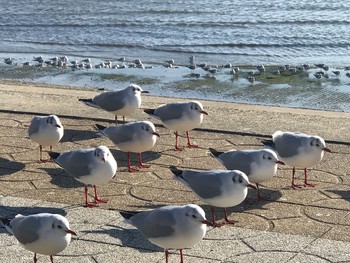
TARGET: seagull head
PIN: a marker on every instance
(241, 179)
(54, 121)
(136, 89)
(61, 225)
(271, 157)
(197, 107)
(149, 128)
(195, 214)
(318, 143)
(102, 154)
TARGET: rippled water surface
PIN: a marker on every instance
(242, 32)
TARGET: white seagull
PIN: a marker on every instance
(171, 227)
(298, 150)
(180, 116)
(123, 102)
(46, 234)
(88, 166)
(259, 165)
(46, 131)
(220, 188)
(136, 137)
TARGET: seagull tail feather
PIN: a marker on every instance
(6, 223)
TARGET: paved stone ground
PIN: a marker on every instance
(306, 225)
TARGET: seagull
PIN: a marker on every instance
(43, 233)
(123, 102)
(88, 166)
(259, 165)
(298, 150)
(46, 131)
(136, 137)
(220, 188)
(179, 116)
(171, 227)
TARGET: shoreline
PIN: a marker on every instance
(247, 118)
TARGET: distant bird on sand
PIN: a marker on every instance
(88, 166)
(180, 116)
(46, 234)
(298, 150)
(259, 165)
(136, 137)
(171, 227)
(123, 102)
(46, 131)
(218, 188)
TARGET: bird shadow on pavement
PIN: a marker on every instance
(60, 178)
(8, 167)
(343, 194)
(122, 160)
(71, 135)
(131, 238)
(12, 211)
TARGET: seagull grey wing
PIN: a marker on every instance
(170, 112)
(26, 229)
(155, 223)
(76, 163)
(288, 144)
(205, 184)
(120, 134)
(34, 126)
(111, 101)
(237, 160)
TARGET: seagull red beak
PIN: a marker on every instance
(327, 150)
(251, 186)
(280, 162)
(204, 112)
(71, 232)
(156, 134)
(144, 91)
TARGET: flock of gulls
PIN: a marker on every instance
(319, 71)
(169, 227)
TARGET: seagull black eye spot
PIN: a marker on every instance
(194, 216)
(59, 226)
(240, 180)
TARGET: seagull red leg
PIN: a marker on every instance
(35, 258)
(189, 142)
(97, 199)
(228, 221)
(141, 165)
(181, 256)
(260, 197)
(166, 256)
(294, 186)
(131, 168)
(306, 183)
(88, 204)
(214, 224)
(177, 147)
(51, 259)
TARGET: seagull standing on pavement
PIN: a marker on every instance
(298, 150)
(123, 102)
(136, 137)
(259, 165)
(46, 131)
(171, 227)
(180, 116)
(218, 188)
(88, 166)
(46, 234)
